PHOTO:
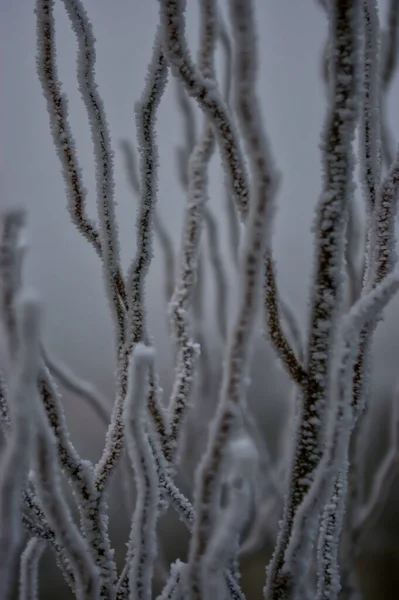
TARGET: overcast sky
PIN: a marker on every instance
(61, 264)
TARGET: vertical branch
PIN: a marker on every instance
(93, 519)
(381, 256)
(367, 309)
(91, 506)
(389, 66)
(328, 282)
(384, 258)
(84, 389)
(387, 471)
(328, 488)
(278, 340)
(231, 213)
(146, 512)
(5, 422)
(164, 238)
(103, 156)
(145, 112)
(205, 92)
(28, 577)
(381, 201)
(57, 109)
(10, 272)
(371, 130)
(183, 296)
(390, 58)
(183, 167)
(136, 317)
(240, 339)
(354, 241)
(354, 250)
(370, 135)
(220, 276)
(48, 484)
(15, 461)
(384, 254)
(34, 521)
(172, 590)
(211, 103)
(242, 465)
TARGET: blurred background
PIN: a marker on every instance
(64, 268)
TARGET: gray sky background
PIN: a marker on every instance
(61, 264)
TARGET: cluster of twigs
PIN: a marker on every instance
(328, 366)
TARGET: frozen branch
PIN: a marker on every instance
(15, 461)
(48, 484)
(327, 289)
(104, 159)
(64, 142)
(28, 576)
(164, 238)
(183, 296)
(146, 512)
(136, 318)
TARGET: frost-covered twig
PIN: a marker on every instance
(389, 67)
(136, 318)
(185, 511)
(143, 533)
(224, 542)
(48, 484)
(46, 464)
(162, 234)
(92, 508)
(103, 157)
(75, 385)
(94, 398)
(294, 329)
(329, 483)
(220, 275)
(206, 94)
(283, 349)
(183, 153)
(369, 307)
(210, 101)
(369, 513)
(146, 111)
(370, 134)
(240, 338)
(28, 575)
(11, 255)
(79, 475)
(354, 243)
(183, 296)
(370, 173)
(353, 252)
(381, 253)
(5, 422)
(382, 260)
(173, 590)
(15, 460)
(231, 212)
(247, 112)
(57, 109)
(65, 145)
(24, 390)
(34, 521)
(327, 289)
